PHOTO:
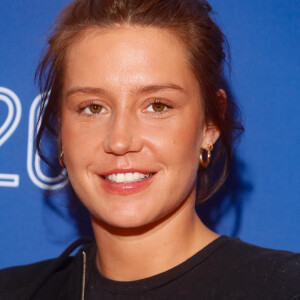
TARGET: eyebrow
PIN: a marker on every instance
(140, 90)
(85, 90)
(158, 87)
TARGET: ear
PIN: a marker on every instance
(59, 141)
(210, 135)
(211, 131)
(222, 102)
(58, 116)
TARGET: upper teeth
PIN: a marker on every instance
(127, 177)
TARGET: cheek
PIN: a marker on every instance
(180, 141)
(174, 142)
(80, 141)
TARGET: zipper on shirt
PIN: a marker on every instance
(83, 275)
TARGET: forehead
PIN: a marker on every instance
(127, 56)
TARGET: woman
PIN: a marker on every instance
(141, 117)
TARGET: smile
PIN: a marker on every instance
(124, 182)
(127, 177)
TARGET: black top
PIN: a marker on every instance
(226, 269)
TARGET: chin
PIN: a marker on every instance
(128, 220)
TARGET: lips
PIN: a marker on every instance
(126, 181)
(127, 177)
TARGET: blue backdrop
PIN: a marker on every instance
(260, 202)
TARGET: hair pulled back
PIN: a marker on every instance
(204, 42)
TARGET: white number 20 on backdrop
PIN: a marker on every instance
(33, 159)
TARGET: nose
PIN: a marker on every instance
(122, 136)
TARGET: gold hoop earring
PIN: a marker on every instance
(61, 159)
(208, 157)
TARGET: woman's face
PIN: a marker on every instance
(132, 124)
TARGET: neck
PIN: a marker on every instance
(132, 254)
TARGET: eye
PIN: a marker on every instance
(157, 107)
(93, 109)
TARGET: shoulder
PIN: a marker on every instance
(246, 254)
(24, 271)
(15, 280)
(47, 277)
(267, 271)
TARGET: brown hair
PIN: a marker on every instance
(205, 43)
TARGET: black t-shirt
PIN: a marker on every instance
(225, 269)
